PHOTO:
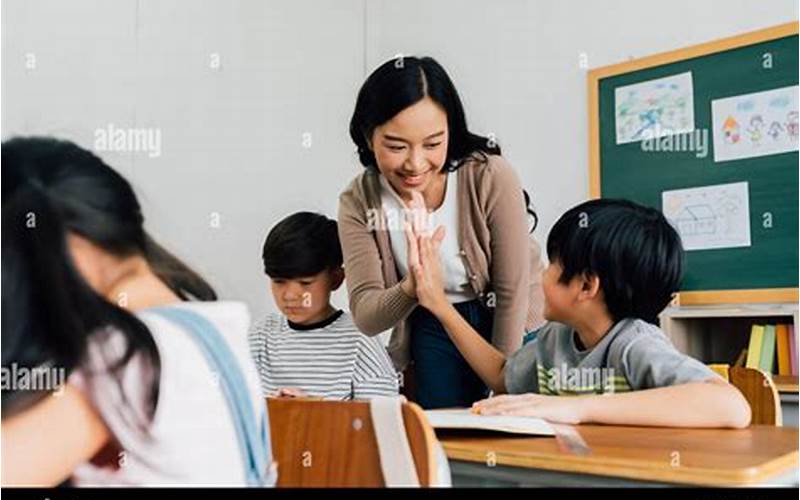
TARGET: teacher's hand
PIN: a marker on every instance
(424, 265)
(428, 275)
(414, 224)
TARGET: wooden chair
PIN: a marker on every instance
(758, 389)
(332, 443)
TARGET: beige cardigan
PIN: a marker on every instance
(499, 256)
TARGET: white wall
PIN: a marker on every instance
(232, 136)
(516, 65)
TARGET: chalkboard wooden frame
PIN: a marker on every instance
(756, 295)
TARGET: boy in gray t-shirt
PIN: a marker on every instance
(614, 265)
(634, 355)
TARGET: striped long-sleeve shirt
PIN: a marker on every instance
(332, 359)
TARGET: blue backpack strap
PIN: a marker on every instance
(252, 433)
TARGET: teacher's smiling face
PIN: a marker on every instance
(411, 148)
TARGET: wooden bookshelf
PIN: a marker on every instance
(718, 333)
(786, 384)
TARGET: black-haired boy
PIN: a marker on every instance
(313, 348)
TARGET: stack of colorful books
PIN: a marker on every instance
(771, 343)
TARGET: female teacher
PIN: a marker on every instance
(411, 135)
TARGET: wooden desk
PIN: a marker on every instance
(759, 455)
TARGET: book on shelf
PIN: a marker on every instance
(793, 349)
(768, 349)
(754, 347)
(783, 347)
(771, 348)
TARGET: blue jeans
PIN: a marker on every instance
(442, 376)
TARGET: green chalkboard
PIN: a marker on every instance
(628, 170)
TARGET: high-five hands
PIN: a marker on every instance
(424, 264)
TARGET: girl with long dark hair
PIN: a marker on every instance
(159, 389)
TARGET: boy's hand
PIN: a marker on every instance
(428, 272)
(416, 227)
(423, 256)
(290, 392)
(557, 409)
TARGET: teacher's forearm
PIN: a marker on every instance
(407, 285)
(377, 310)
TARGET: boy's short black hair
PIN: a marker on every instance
(632, 249)
(303, 244)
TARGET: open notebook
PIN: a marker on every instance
(465, 419)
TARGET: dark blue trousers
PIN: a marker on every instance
(441, 374)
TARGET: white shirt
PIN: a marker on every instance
(192, 440)
(456, 281)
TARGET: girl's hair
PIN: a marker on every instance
(51, 187)
(402, 82)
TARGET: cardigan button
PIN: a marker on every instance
(462, 252)
(473, 277)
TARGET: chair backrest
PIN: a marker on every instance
(759, 390)
(332, 443)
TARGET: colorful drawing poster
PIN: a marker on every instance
(710, 217)
(655, 108)
(758, 124)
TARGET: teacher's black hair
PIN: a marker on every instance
(402, 82)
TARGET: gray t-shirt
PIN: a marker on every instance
(633, 355)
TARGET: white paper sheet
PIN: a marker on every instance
(654, 108)
(757, 124)
(465, 419)
(710, 217)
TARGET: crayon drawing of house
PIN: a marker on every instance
(696, 219)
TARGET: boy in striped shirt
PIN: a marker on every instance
(312, 348)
